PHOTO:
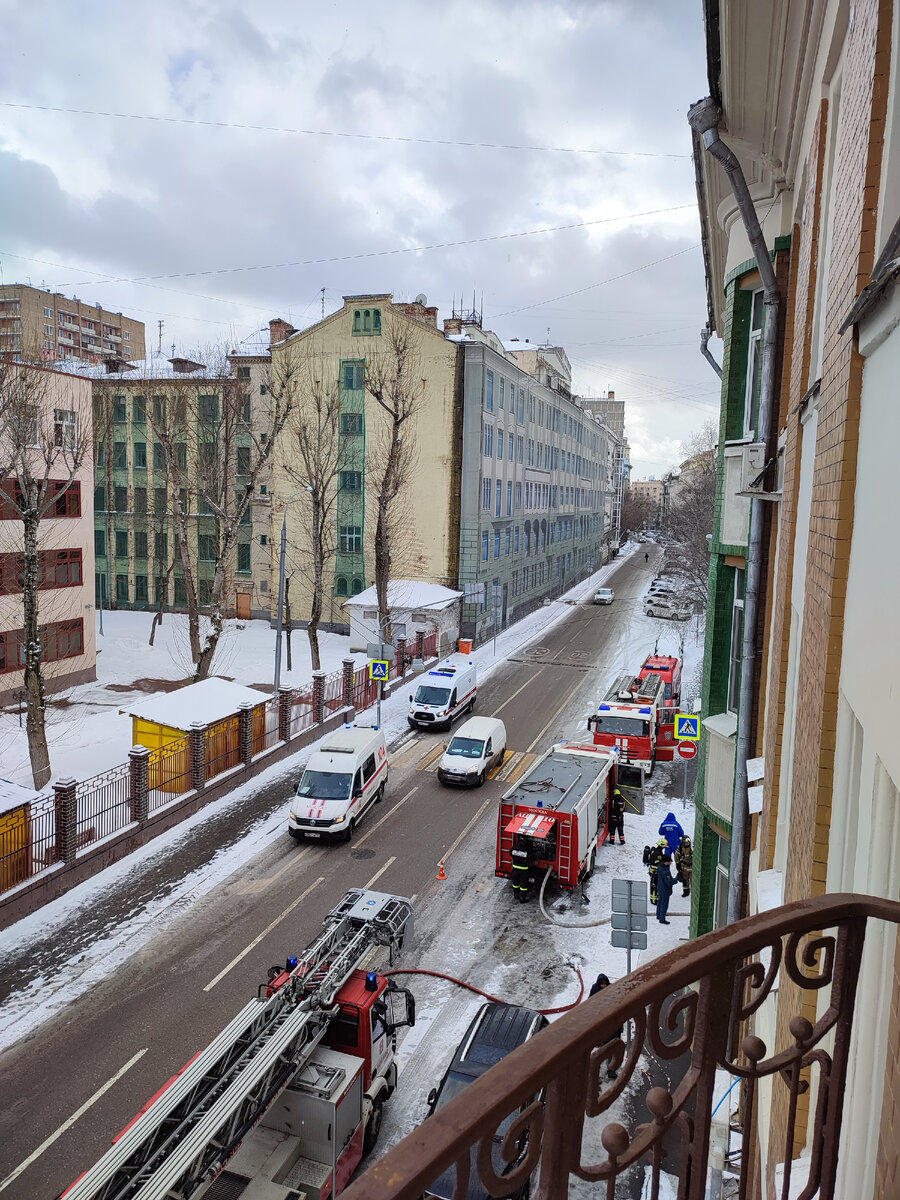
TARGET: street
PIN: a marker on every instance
(72, 1083)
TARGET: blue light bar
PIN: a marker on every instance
(644, 710)
(603, 707)
(291, 963)
(371, 981)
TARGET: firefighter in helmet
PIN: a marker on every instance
(654, 858)
(522, 877)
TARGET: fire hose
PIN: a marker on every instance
(547, 1012)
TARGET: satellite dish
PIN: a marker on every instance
(421, 298)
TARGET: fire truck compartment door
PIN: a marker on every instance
(530, 824)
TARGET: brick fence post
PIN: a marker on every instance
(420, 644)
(401, 657)
(245, 731)
(318, 697)
(285, 702)
(197, 735)
(139, 769)
(64, 791)
(347, 682)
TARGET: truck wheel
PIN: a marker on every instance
(373, 1128)
(471, 707)
(590, 864)
(295, 834)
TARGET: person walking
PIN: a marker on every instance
(599, 984)
(654, 858)
(646, 557)
(664, 885)
(684, 864)
(617, 818)
(672, 832)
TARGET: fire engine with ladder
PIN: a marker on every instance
(628, 718)
(669, 670)
(283, 1104)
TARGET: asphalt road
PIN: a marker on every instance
(72, 1085)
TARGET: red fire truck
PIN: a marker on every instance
(557, 813)
(628, 719)
(669, 670)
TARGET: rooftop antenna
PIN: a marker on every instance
(173, 349)
(323, 304)
(159, 345)
(548, 335)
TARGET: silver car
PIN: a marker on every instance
(604, 596)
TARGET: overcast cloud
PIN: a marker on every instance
(85, 200)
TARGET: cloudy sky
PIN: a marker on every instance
(231, 159)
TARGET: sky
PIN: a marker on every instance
(230, 160)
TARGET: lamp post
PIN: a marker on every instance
(278, 627)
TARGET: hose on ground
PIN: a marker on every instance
(546, 1012)
(567, 924)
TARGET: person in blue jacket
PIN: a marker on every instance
(664, 885)
(672, 832)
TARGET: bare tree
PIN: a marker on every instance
(394, 381)
(638, 511)
(692, 512)
(42, 449)
(313, 457)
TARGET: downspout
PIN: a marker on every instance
(705, 335)
(704, 118)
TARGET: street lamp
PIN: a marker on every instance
(278, 627)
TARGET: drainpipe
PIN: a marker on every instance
(705, 335)
(704, 118)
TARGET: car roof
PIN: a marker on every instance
(350, 740)
(478, 727)
(496, 1030)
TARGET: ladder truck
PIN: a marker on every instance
(668, 667)
(628, 718)
(285, 1102)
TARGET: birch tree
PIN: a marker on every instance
(42, 450)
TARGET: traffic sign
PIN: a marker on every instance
(381, 650)
(622, 940)
(687, 749)
(379, 668)
(632, 920)
(687, 727)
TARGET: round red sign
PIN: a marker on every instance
(687, 749)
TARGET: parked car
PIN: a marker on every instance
(668, 610)
(604, 596)
(496, 1030)
(478, 745)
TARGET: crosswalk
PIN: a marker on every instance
(425, 756)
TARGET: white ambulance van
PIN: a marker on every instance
(445, 692)
(343, 778)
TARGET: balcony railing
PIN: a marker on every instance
(692, 1007)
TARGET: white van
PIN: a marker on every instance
(346, 775)
(447, 690)
(478, 745)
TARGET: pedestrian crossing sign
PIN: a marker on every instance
(687, 727)
(378, 668)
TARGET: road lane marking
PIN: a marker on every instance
(555, 717)
(79, 1112)
(255, 886)
(380, 872)
(532, 677)
(430, 759)
(268, 929)
(387, 816)
(518, 769)
(472, 822)
(406, 753)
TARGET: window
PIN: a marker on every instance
(209, 409)
(48, 312)
(246, 414)
(56, 569)
(500, 403)
(484, 546)
(509, 496)
(140, 543)
(120, 456)
(754, 364)
(120, 500)
(367, 321)
(160, 546)
(126, 335)
(243, 559)
(206, 545)
(139, 410)
(159, 501)
(356, 587)
(518, 495)
(487, 440)
(737, 638)
(520, 449)
(516, 540)
(63, 639)
(486, 494)
(121, 543)
(489, 391)
(66, 498)
(140, 456)
(246, 515)
(508, 540)
(180, 591)
(340, 586)
(99, 543)
(122, 588)
(351, 481)
(498, 506)
(499, 443)
(354, 378)
(159, 457)
(243, 460)
(497, 544)
(140, 589)
(160, 591)
(159, 410)
(351, 424)
(521, 414)
(181, 455)
(65, 428)
(204, 591)
(263, 389)
(243, 372)
(350, 539)
(120, 411)
(510, 446)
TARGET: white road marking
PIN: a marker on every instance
(516, 692)
(268, 929)
(477, 817)
(255, 886)
(380, 872)
(386, 816)
(555, 717)
(79, 1112)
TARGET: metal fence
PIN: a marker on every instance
(265, 726)
(365, 690)
(301, 710)
(223, 746)
(169, 773)
(27, 841)
(104, 805)
(430, 645)
(333, 692)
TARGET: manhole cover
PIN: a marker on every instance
(362, 853)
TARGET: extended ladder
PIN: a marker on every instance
(182, 1140)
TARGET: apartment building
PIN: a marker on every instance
(65, 540)
(611, 413)
(535, 478)
(50, 327)
(809, 105)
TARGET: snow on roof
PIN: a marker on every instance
(155, 366)
(407, 593)
(12, 795)
(209, 700)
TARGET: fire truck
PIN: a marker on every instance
(289, 1096)
(669, 670)
(558, 813)
(628, 718)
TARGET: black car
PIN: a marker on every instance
(496, 1030)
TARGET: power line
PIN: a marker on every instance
(336, 258)
(332, 133)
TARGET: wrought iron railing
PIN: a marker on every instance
(694, 1007)
(103, 804)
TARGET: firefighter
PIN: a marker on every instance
(664, 885)
(617, 818)
(684, 864)
(654, 858)
(521, 870)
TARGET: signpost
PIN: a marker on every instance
(687, 733)
(381, 655)
(629, 921)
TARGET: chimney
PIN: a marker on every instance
(452, 325)
(610, 395)
(279, 330)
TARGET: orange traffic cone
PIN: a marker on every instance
(442, 874)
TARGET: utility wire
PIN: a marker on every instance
(333, 133)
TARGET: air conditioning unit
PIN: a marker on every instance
(753, 469)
